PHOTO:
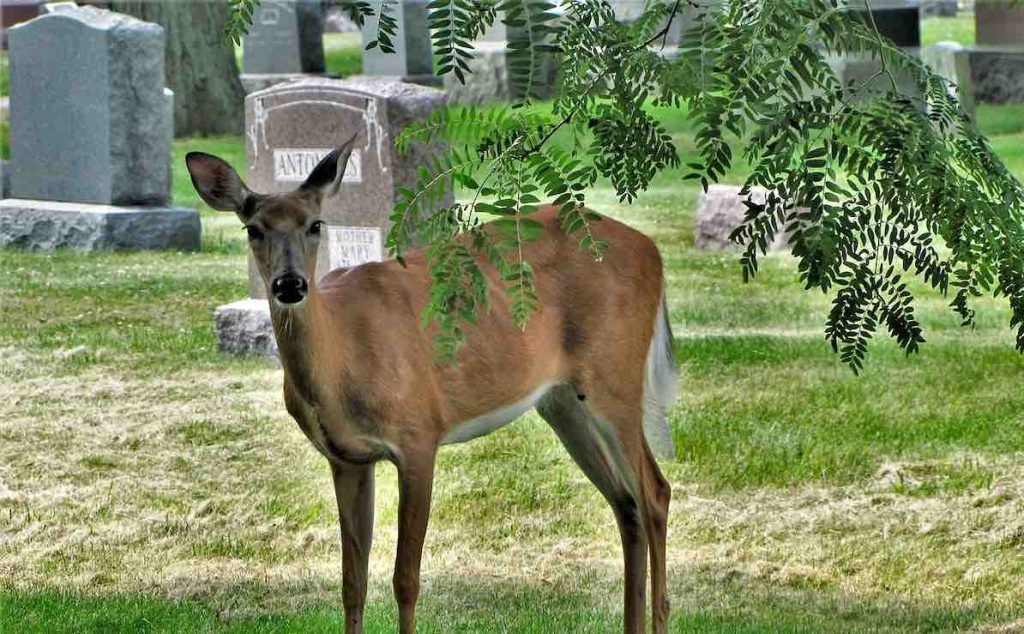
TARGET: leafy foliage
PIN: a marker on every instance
(240, 17)
(387, 26)
(872, 180)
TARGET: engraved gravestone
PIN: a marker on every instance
(289, 128)
(92, 143)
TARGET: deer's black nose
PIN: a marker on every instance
(289, 288)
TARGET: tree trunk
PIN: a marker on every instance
(200, 63)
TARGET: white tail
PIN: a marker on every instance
(661, 386)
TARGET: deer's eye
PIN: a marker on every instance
(254, 233)
(314, 229)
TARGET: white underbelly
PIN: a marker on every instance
(492, 420)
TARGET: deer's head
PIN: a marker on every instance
(284, 229)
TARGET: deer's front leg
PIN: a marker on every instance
(353, 488)
(415, 480)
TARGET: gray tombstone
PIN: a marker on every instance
(284, 43)
(951, 60)
(686, 17)
(289, 128)
(286, 37)
(897, 20)
(90, 132)
(412, 60)
(489, 79)
(719, 212)
(92, 138)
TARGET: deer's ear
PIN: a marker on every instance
(217, 182)
(325, 179)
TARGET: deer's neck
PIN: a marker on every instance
(300, 333)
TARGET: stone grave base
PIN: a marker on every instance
(720, 211)
(244, 329)
(431, 81)
(489, 80)
(996, 74)
(44, 225)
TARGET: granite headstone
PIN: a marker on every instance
(91, 144)
(284, 43)
(412, 60)
(489, 78)
(940, 8)
(289, 128)
(999, 23)
(720, 211)
(94, 130)
(896, 20)
(951, 60)
(286, 37)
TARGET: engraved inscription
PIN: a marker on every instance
(293, 165)
(352, 246)
(270, 16)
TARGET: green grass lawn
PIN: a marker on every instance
(959, 29)
(149, 484)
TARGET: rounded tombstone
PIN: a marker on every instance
(290, 127)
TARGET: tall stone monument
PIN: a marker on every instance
(412, 60)
(284, 43)
(91, 144)
(289, 129)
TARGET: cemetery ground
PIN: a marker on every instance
(147, 483)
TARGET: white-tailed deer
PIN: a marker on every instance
(595, 359)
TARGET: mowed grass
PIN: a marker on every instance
(148, 484)
(948, 29)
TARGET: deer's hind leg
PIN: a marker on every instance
(657, 493)
(596, 446)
